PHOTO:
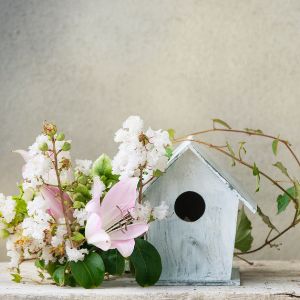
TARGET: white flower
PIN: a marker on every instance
(35, 147)
(134, 124)
(12, 252)
(37, 206)
(31, 248)
(142, 211)
(60, 233)
(161, 164)
(28, 194)
(35, 228)
(81, 216)
(74, 254)
(7, 208)
(47, 255)
(140, 149)
(83, 166)
(160, 212)
(38, 166)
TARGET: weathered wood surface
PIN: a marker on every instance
(264, 280)
(200, 250)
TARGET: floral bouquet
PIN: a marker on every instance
(82, 224)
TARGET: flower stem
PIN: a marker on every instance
(285, 142)
(69, 231)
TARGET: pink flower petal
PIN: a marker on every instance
(52, 198)
(124, 247)
(130, 232)
(118, 201)
(93, 206)
(94, 233)
(23, 153)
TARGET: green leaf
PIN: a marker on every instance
(78, 204)
(20, 209)
(171, 133)
(114, 262)
(16, 277)
(284, 199)
(242, 148)
(89, 272)
(51, 267)
(266, 219)
(243, 238)
(221, 122)
(4, 234)
(157, 173)
(77, 237)
(84, 191)
(59, 276)
(40, 264)
(282, 168)
(102, 166)
(147, 263)
(231, 152)
(258, 131)
(66, 146)
(275, 146)
(169, 152)
(256, 173)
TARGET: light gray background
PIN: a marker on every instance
(87, 65)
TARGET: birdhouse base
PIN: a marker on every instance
(233, 281)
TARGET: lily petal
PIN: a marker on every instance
(93, 206)
(52, 198)
(130, 232)
(94, 233)
(124, 247)
(23, 153)
(120, 199)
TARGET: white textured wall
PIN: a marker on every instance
(89, 64)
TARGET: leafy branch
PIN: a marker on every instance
(244, 238)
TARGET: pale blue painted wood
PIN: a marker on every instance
(200, 251)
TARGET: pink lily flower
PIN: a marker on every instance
(109, 224)
(52, 198)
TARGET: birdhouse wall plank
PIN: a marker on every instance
(200, 250)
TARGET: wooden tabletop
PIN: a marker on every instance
(263, 280)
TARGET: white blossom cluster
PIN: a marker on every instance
(84, 166)
(39, 164)
(7, 209)
(145, 212)
(140, 150)
(39, 235)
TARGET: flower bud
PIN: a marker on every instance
(60, 136)
(82, 179)
(79, 198)
(49, 129)
(143, 139)
(4, 234)
(65, 163)
(66, 146)
(43, 147)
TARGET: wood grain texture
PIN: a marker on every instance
(201, 250)
(265, 280)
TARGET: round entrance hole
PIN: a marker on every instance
(189, 206)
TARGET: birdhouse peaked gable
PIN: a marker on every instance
(226, 178)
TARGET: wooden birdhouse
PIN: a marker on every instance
(196, 241)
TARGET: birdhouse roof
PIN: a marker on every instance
(226, 178)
